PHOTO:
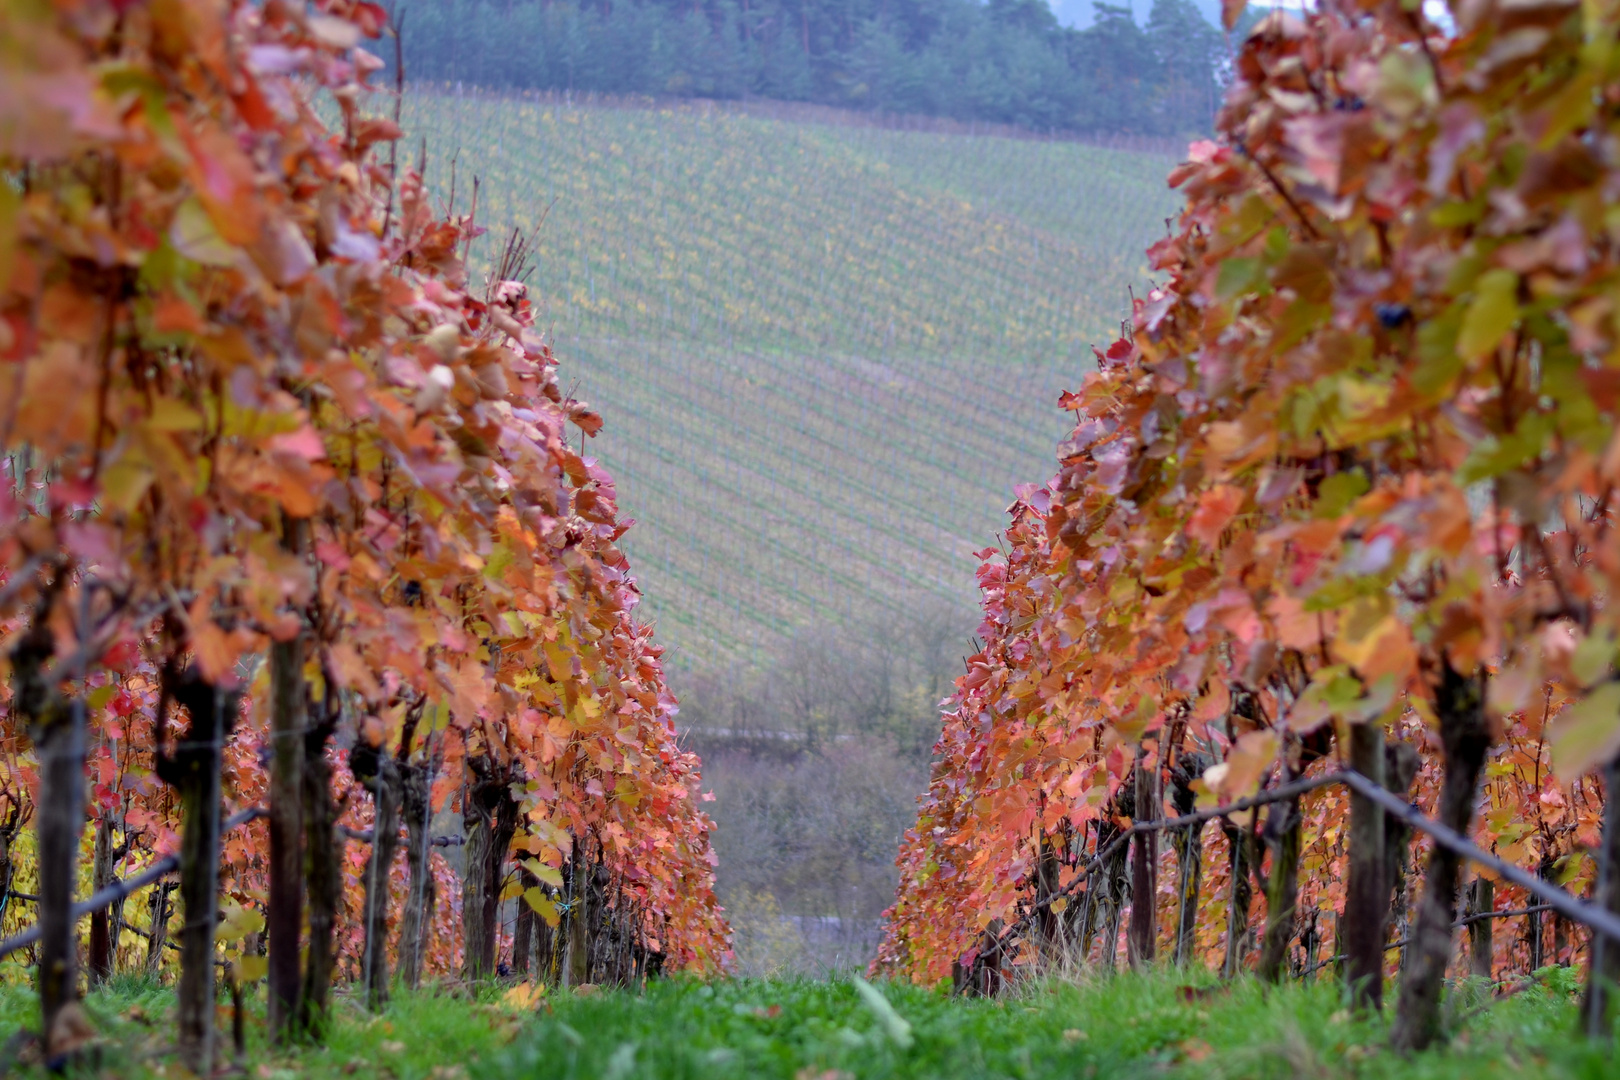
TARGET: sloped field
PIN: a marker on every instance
(825, 354)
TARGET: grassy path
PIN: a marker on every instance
(804, 1030)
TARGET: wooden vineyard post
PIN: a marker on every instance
(489, 816)
(193, 769)
(1144, 857)
(525, 928)
(576, 957)
(1283, 823)
(1189, 856)
(1400, 769)
(1366, 901)
(323, 870)
(1482, 901)
(57, 727)
(103, 928)
(378, 772)
(416, 919)
(59, 744)
(1237, 901)
(284, 907)
(159, 909)
(1049, 923)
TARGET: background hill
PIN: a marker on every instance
(1153, 67)
(825, 353)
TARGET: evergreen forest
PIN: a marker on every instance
(1001, 62)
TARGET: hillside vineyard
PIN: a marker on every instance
(325, 663)
(866, 330)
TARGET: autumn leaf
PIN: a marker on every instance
(1216, 508)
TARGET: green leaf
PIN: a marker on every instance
(1492, 314)
(894, 1025)
(1593, 658)
(1494, 455)
(1236, 277)
(1438, 362)
(1587, 734)
(1338, 491)
(1453, 214)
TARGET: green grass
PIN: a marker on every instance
(805, 1030)
(825, 354)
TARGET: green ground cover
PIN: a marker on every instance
(820, 1030)
(825, 354)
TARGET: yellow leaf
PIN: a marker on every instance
(170, 415)
(194, 236)
(1239, 775)
(543, 906)
(524, 995)
(251, 968)
(10, 202)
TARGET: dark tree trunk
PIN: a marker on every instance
(1366, 901)
(1282, 886)
(56, 726)
(1144, 871)
(489, 815)
(415, 923)
(1237, 901)
(284, 908)
(1465, 735)
(1603, 976)
(323, 877)
(193, 769)
(378, 773)
(1482, 899)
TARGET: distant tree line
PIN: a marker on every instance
(1005, 61)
